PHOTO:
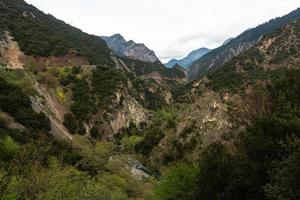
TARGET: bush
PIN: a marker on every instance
(151, 139)
(177, 183)
(20, 107)
(8, 148)
(70, 123)
(95, 133)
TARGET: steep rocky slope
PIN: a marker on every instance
(249, 38)
(130, 49)
(71, 88)
(119, 123)
(220, 106)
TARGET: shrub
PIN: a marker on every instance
(8, 148)
(152, 138)
(95, 133)
(177, 183)
(70, 123)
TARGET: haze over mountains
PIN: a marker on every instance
(189, 59)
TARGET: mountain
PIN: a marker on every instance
(78, 122)
(227, 41)
(39, 34)
(71, 111)
(219, 56)
(130, 49)
(243, 116)
(187, 61)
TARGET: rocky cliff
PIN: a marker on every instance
(130, 49)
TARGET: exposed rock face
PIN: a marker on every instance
(10, 54)
(10, 122)
(68, 60)
(187, 61)
(49, 105)
(132, 111)
(202, 122)
(130, 49)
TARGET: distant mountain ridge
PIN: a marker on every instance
(247, 39)
(189, 59)
(130, 49)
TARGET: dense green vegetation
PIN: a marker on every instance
(43, 35)
(162, 120)
(18, 105)
(34, 166)
(266, 163)
(144, 68)
(92, 91)
(106, 81)
(262, 162)
(178, 182)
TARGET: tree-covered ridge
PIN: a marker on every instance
(39, 34)
(265, 163)
(143, 68)
(275, 52)
(217, 57)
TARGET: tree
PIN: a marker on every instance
(70, 123)
(95, 133)
(285, 177)
(8, 148)
(177, 183)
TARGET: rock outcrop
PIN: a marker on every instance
(130, 49)
(10, 54)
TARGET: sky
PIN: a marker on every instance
(172, 28)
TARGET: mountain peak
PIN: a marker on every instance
(117, 36)
(189, 59)
(227, 41)
(131, 49)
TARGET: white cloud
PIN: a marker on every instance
(172, 28)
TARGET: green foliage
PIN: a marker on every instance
(70, 123)
(166, 116)
(151, 139)
(285, 175)
(95, 159)
(8, 148)
(44, 35)
(145, 68)
(226, 176)
(95, 133)
(177, 183)
(129, 142)
(266, 165)
(106, 81)
(17, 104)
(44, 169)
(83, 105)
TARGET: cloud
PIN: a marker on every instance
(172, 28)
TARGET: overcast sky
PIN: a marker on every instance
(172, 28)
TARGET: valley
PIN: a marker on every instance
(90, 117)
